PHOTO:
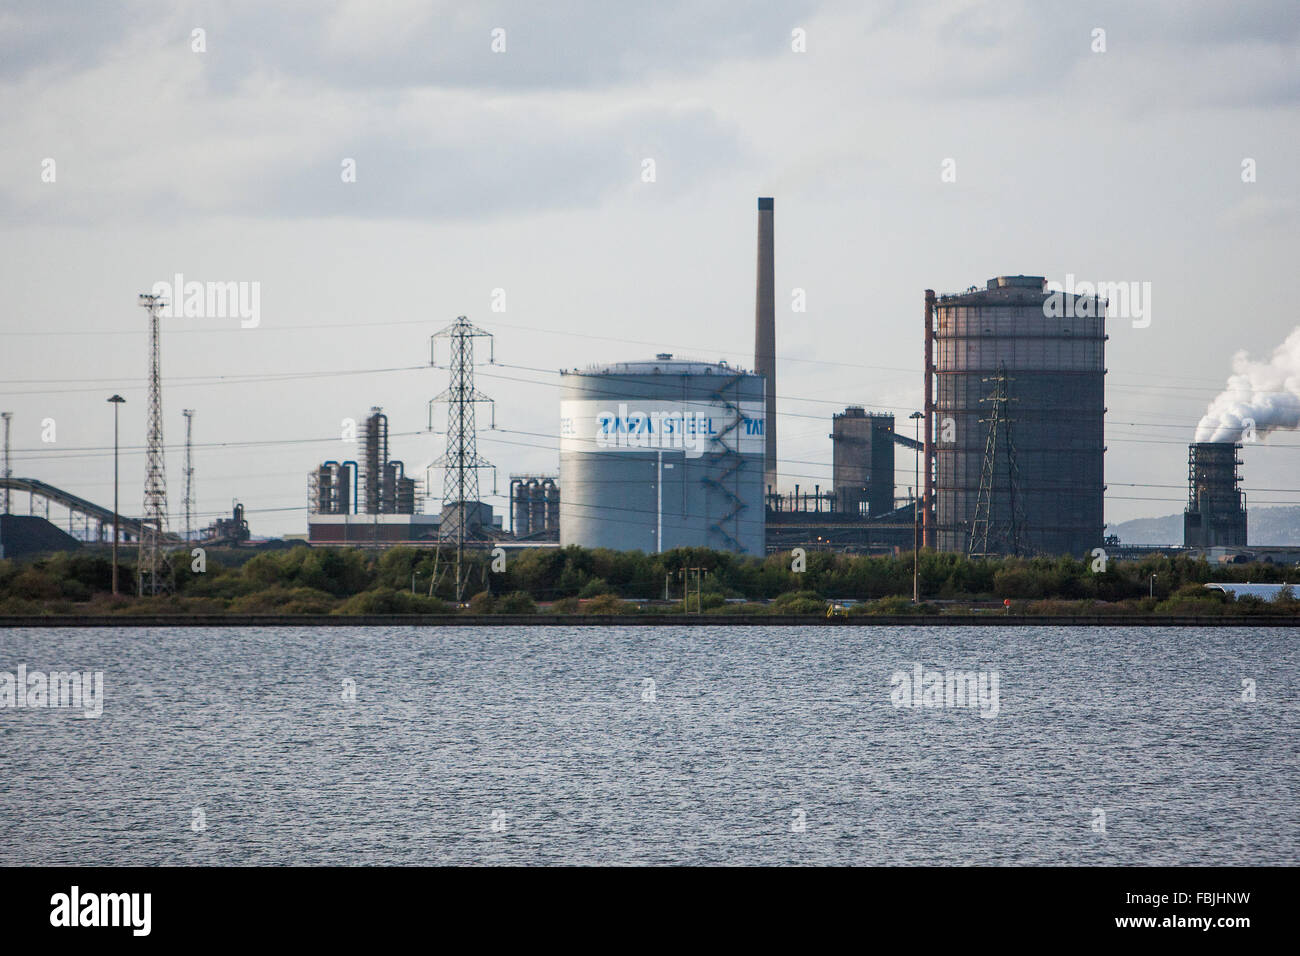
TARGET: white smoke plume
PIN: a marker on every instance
(1265, 395)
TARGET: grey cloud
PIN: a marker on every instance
(518, 167)
(558, 45)
(1242, 55)
(54, 35)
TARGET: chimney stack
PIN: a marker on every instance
(765, 336)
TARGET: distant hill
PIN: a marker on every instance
(1166, 530)
(1280, 526)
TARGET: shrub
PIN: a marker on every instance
(391, 601)
(162, 604)
(74, 590)
(518, 602)
(705, 602)
(1017, 582)
(608, 604)
(790, 597)
(894, 604)
(1176, 604)
(1057, 608)
(798, 602)
(34, 585)
(280, 600)
(595, 587)
(748, 608)
(18, 605)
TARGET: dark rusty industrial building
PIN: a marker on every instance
(1014, 427)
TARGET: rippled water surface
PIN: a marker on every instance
(548, 745)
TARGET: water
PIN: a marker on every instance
(529, 745)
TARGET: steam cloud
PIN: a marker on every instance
(1266, 392)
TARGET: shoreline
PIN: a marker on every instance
(632, 620)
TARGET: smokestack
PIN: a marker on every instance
(765, 335)
(1216, 512)
(926, 491)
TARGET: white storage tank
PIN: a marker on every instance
(662, 454)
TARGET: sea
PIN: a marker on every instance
(753, 745)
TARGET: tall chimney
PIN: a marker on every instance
(765, 336)
(929, 508)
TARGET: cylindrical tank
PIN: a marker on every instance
(405, 496)
(345, 494)
(1020, 386)
(536, 506)
(401, 490)
(662, 454)
(519, 506)
(551, 501)
(393, 472)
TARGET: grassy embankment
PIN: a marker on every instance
(573, 580)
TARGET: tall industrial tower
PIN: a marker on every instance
(189, 473)
(765, 336)
(153, 571)
(461, 512)
(7, 416)
(1056, 351)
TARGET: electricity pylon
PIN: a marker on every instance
(999, 449)
(460, 461)
(153, 570)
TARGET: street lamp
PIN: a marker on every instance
(916, 513)
(116, 401)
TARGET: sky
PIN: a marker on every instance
(499, 153)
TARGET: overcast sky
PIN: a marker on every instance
(522, 170)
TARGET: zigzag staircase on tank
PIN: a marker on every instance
(730, 460)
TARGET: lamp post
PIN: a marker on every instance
(116, 401)
(916, 515)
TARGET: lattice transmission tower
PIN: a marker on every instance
(461, 518)
(189, 473)
(153, 570)
(991, 532)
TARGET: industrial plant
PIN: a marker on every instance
(664, 451)
(367, 502)
(374, 502)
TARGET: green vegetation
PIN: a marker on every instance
(573, 580)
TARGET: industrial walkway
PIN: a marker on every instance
(88, 510)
